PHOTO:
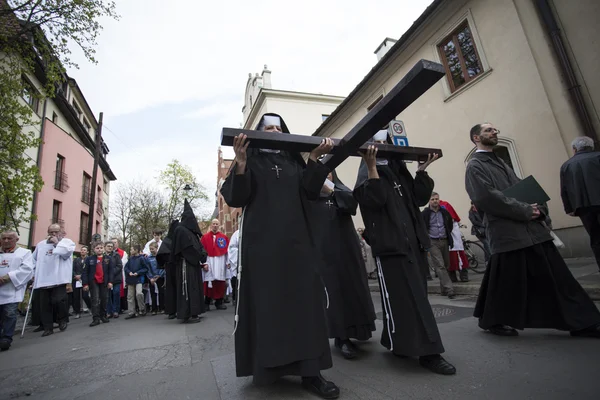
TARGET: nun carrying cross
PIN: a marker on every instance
(281, 326)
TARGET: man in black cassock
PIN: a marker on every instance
(527, 283)
(580, 188)
(163, 259)
(389, 199)
(350, 313)
(187, 257)
(281, 327)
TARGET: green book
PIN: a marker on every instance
(528, 191)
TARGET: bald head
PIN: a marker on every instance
(214, 225)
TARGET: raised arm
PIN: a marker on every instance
(423, 188)
(313, 177)
(371, 193)
(64, 249)
(492, 201)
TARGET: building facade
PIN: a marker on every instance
(501, 67)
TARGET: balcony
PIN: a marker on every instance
(61, 181)
(86, 194)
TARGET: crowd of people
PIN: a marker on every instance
(298, 271)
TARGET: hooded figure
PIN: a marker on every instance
(389, 199)
(350, 312)
(187, 257)
(281, 326)
(163, 258)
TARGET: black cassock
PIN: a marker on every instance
(163, 258)
(187, 255)
(396, 233)
(281, 325)
(350, 314)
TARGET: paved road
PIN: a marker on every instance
(154, 358)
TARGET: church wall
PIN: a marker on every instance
(511, 94)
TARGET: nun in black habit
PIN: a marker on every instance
(187, 256)
(281, 326)
(350, 313)
(389, 199)
(163, 258)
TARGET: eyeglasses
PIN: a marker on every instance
(488, 130)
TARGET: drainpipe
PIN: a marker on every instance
(567, 68)
(39, 165)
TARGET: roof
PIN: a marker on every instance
(379, 66)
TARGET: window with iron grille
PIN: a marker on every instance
(459, 55)
(86, 188)
(83, 228)
(56, 213)
(60, 178)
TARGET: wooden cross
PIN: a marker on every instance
(418, 80)
(398, 187)
(329, 203)
(276, 169)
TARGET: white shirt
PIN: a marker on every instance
(53, 264)
(146, 250)
(233, 251)
(18, 265)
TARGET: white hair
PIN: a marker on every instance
(583, 143)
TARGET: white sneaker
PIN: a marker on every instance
(77, 316)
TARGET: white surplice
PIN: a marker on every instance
(53, 264)
(18, 265)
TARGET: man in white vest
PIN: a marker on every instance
(16, 268)
(53, 259)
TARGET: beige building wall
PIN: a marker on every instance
(520, 92)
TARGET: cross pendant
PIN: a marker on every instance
(276, 169)
(329, 203)
(397, 187)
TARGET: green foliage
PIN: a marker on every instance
(35, 35)
(174, 179)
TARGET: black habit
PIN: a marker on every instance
(350, 314)
(281, 326)
(396, 233)
(163, 259)
(527, 283)
(187, 256)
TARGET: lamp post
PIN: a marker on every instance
(187, 188)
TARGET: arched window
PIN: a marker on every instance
(507, 151)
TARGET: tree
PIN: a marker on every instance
(35, 39)
(174, 179)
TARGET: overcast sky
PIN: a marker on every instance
(171, 74)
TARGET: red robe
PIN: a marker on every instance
(458, 258)
(216, 245)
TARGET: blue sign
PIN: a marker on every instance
(400, 141)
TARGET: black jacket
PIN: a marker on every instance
(117, 273)
(448, 223)
(508, 221)
(580, 181)
(478, 228)
(108, 268)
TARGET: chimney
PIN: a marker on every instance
(384, 47)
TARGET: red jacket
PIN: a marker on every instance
(215, 244)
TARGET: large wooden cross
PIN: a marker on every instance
(418, 80)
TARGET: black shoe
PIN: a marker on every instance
(321, 387)
(226, 300)
(131, 316)
(346, 347)
(502, 330)
(591, 332)
(47, 332)
(104, 320)
(221, 307)
(451, 296)
(4, 345)
(39, 329)
(172, 316)
(437, 364)
(193, 320)
(62, 325)
(95, 322)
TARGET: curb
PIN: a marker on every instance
(470, 289)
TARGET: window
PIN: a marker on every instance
(54, 118)
(86, 125)
(30, 95)
(60, 178)
(373, 104)
(106, 187)
(77, 110)
(56, 212)
(324, 117)
(86, 188)
(83, 228)
(98, 227)
(460, 57)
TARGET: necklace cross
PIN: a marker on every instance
(276, 169)
(329, 203)
(398, 187)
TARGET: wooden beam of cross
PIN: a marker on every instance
(414, 84)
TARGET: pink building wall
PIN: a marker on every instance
(77, 160)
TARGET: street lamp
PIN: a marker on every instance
(187, 188)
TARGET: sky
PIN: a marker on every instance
(171, 74)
